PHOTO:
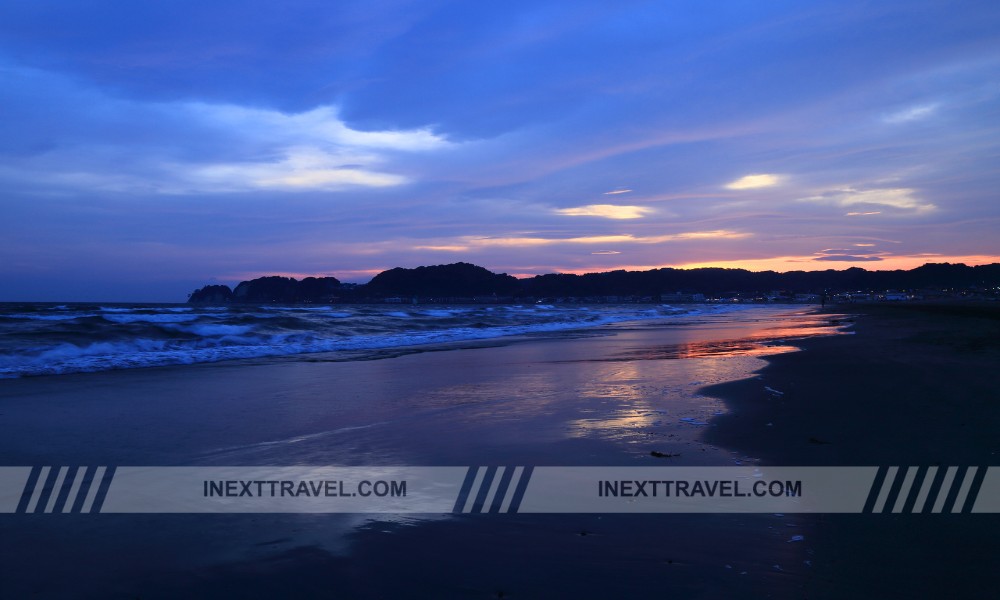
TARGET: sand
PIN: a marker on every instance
(905, 389)
(915, 386)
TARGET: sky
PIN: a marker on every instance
(150, 148)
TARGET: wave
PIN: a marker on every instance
(146, 336)
(150, 318)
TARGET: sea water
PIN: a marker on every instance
(52, 339)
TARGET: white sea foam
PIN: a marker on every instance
(50, 317)
(151, 318)
(211, 329)
(445, 312)
(238, 333)
(296, 308)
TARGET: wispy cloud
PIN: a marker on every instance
(752, 182)
(314, 150)
(848, 255)
(797, 262)
(468, 243)
(321, 125)
(443, 248)
(848, 258)
(299, 169)
(616, 192)
(903, 200)
(912, 113)
(608, 211)
(213, 148)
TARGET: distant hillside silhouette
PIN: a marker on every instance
(464, 280)
(456, 280)
(212, 294)
(721, 281)
(271, 289)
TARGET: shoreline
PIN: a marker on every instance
(62, 340)
(914, 384)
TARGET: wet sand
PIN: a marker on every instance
(593, 400)
(914, 386)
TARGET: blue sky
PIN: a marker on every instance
(149, 148)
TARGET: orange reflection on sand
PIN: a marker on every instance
(626, 390)
(773, 340)
(645, 394)
(706, 350)
(640, 401)
(608, 424)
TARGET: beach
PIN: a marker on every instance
(916, 385)
(872, 386)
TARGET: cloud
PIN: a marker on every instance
(752, 182)
(321, 125)
(300, 169)
(86, 139)
(604, 239)
(615, 192)
(848, 258)
(900, 199)
(471, 243)
(608, 211)
(913, 113)
(606, 252)
(443, 248)
(848, 255)
(312, 150)
(798, 263)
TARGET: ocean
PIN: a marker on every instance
(520, 385)
(54, 339)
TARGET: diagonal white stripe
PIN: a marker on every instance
(74, 489)
(988, 497)
(963, 492)
(493, 489)
(60, 477)
(905, 490)
(37, 492)
(883, 495)
(476, 484)
(92, 492)
(949, 478)
(918, 506)
(508, 497)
